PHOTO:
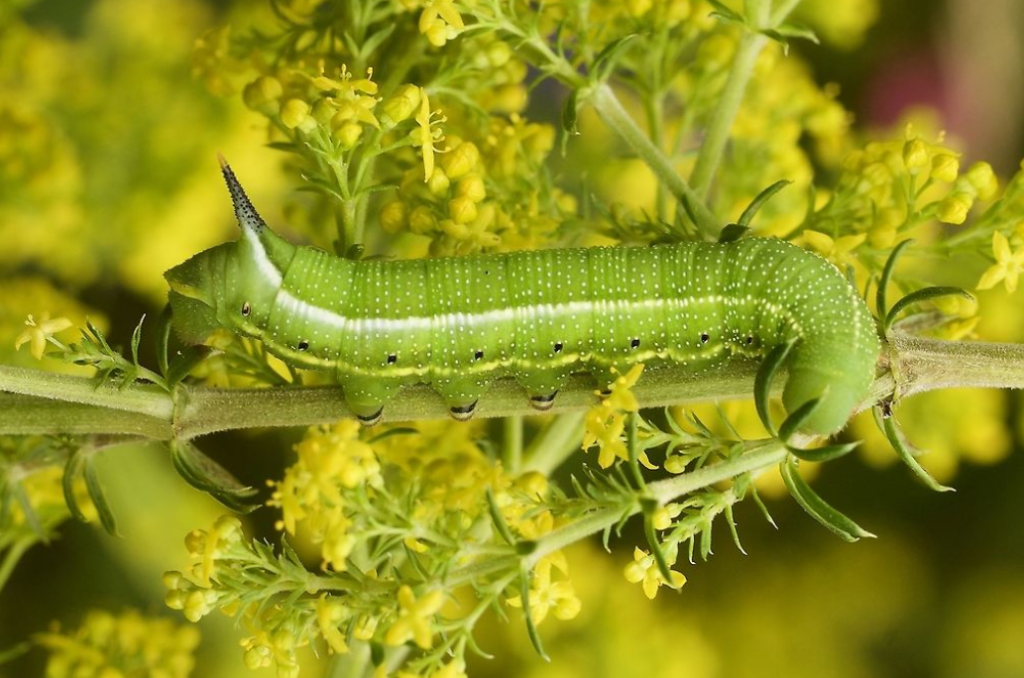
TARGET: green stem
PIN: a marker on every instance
(664, 491)
(559, 440)
(611, 111)
(11, 558)
(759, 17)
(512, 444)
(37, 402)
(717, 135)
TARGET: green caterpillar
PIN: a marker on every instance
(459, 323)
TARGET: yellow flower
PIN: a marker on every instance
(440, 22)
(426, 136)
(38, 333)
(645, 569)
(415, 618)
(915, 155)
(329, 615)
(604, 424)
(557, 597)
(1008, 265)
(839, 250)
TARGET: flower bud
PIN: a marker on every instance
(472, 187)
(983, 179)
(262, 94)
(393, 216)
(438, 183)
(945, 167)
(421, 221)
(954, 208)
(462, 210)
(294, 113)
(349, 134)
(915, 155)
(461, 160)
(401, 105)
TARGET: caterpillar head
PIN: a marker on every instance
(231, 286)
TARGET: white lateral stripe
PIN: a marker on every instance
(293, 304)
(263, 263)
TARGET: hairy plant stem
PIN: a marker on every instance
(759, 17)
(611, 111)
(37, 402)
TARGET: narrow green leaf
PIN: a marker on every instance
(797, 418)
(758, 202)
(206, 475)
(779, 38)
(891, 429)
(99, 500)
(732, 529)
(816, 507)
(797, 31)
(163, 340)
(375, 40)
(919, 296)
(883, 282)
(606, 59)
(18, 490)
(531, 627)
(732, 233)
(724, 12)
(498, 519)
(136, 340)
(705, 542)
(823, 454)
(183, 363)
(13, 652)
(762, 507)
(72, 472)
(763, 383)
(570, 113)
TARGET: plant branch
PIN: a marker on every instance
(37, 402)
(611, 111)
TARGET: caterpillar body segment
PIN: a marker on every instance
(538, 317)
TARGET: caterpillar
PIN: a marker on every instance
(458, 323)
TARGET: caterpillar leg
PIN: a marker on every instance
(366, 397)
(542, 387)
(542, 402)
(461, 396)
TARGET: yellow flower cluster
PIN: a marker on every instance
(606, 422)
(128, 645)
(481, 197)
(888, 188)
(415, 620)
(645, 570)
(550, 594)
(663, 15)
(343, 105)
(331, 460)
(195, 593)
